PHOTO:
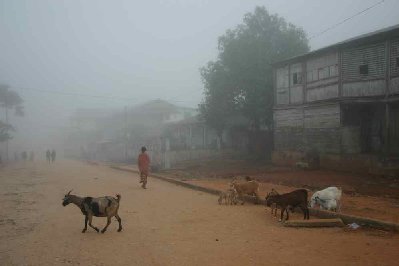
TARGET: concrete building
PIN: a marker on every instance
(341, 101)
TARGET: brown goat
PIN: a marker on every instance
(250, 188)
(296, 198)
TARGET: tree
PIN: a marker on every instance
(4, 131)
(11, 100)
(217, 105)
(246, 55)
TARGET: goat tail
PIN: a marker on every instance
(118, 198)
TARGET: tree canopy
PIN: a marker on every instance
(9, 99)
(5, 131)
(240, 80)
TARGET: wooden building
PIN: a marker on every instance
(341, 101)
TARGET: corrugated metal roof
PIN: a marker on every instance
(382, 34)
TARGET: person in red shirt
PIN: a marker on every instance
(144, 166)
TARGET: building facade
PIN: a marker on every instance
(341, 101)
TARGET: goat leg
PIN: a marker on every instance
(242, 199)
(108, 223)
(281, 214)
(90, 220)
(119, 221)
(305, 213)
(256, 198)
(84, 229)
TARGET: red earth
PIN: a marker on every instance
(364, 195)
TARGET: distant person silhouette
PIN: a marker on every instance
(48, 156)
(53, 156)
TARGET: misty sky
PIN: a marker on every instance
(140, 50)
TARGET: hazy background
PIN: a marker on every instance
(136, 51)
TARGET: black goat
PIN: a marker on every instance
(100, 207)
(296, 198)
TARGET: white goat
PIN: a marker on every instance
(328, 199)
(329, 205)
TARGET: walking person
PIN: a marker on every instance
(48, 156)
(144, 166)
(53, 156)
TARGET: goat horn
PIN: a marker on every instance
(69, 191)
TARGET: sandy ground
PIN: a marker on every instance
(163, 225)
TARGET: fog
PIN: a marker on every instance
(61, 56)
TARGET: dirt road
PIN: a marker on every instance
(163, 225)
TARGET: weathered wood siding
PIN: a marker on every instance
(298, 129)
(296, 94)
(287, 118)
(394, 67)
(322, 128)
(322, 93)
(326, 116)
(282, 85)
(364, 88)
(322, 77)
(288, 129)
(357, 84)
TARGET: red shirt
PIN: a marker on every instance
(144, 163)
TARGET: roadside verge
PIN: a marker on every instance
(347, 219)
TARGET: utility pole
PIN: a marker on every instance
(6, 106)
(126, 140)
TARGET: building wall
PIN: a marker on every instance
(322, 128)
(394, 66)
(339, 108)
(303, 128)
(372, 83)
(296, 83)
(322, 77)
(288, 129)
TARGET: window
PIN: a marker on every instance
(364, 69)
(296, 78)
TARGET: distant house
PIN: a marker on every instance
(190, 133)
(158, 112)
(341, 101)
(118, 135)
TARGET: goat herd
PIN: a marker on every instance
(108, 206)
(327, 199)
